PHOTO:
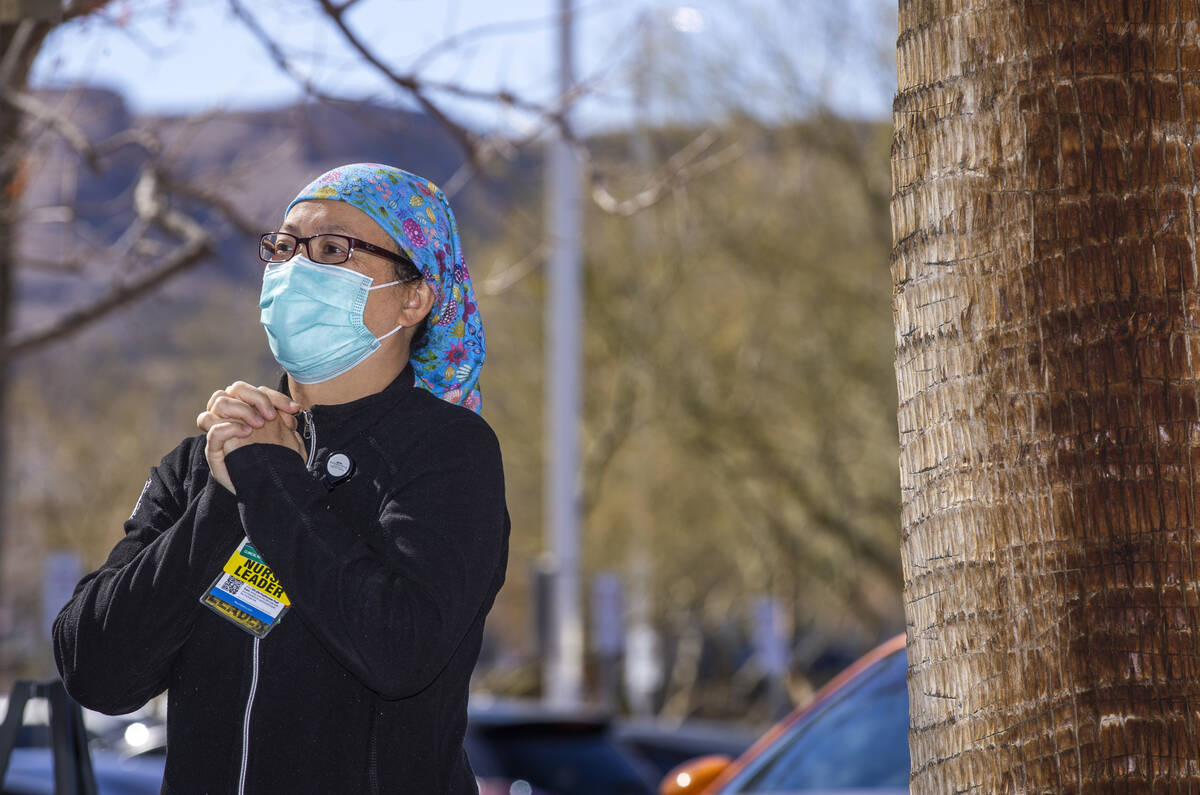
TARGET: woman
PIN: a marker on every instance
(308, 580)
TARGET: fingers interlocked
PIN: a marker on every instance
(239, 411)
(243, 407)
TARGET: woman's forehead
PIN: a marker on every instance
(323, 216)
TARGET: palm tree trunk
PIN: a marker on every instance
(1047, 308)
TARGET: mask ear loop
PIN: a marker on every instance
(378, 287)
(390, 333)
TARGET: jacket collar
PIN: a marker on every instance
(366, 408)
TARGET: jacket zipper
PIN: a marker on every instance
(310, 434)
(246, 721)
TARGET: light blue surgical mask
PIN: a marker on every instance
(313, 315)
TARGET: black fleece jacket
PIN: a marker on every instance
(362, 687)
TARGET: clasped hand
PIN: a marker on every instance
(242, 414)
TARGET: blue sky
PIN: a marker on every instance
(186, 56)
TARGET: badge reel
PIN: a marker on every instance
(338, 469)
(247, 593)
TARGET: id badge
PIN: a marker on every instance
(247, 593)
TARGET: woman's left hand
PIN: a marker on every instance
(243, 414)
(275, 431)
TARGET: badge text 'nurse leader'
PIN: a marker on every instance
(247, 592)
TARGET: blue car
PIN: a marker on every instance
(853, 737)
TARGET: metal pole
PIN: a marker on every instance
(563, 671)
(641, 661)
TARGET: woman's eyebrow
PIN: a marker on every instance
(326, 229)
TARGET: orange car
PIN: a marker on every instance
(852, 736)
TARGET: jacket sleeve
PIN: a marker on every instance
(393, 613)
(114, 642)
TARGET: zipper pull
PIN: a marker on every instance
(310, 435)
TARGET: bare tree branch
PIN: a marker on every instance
(768, 459)
(418, 86)
(483, 31)
(465, 137)
(477, 149)
(277, 54)
(784, 539)
(496, 283)
(24, 35)
(605, 447)
(155, 182)
(469, 143)
(151, 205)
(152, 212)
(75, 137)
(216, 200)
(681, 168)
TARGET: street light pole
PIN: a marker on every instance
(563, 666)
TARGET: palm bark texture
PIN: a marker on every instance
(1047, 310)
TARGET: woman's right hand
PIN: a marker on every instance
(235, 412)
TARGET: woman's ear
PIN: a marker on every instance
(418, 300)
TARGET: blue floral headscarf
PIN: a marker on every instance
(417, 215)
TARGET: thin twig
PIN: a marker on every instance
(75, 137)
(276, 53)
(505, 28)
(151, 205)
(215, 199)
(496, 283)
(676, 172)
(466, 139)
(604, 448)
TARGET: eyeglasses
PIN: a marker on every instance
(277, 247)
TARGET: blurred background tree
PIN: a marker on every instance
(739, 426)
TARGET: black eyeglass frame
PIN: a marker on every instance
(353, 244)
